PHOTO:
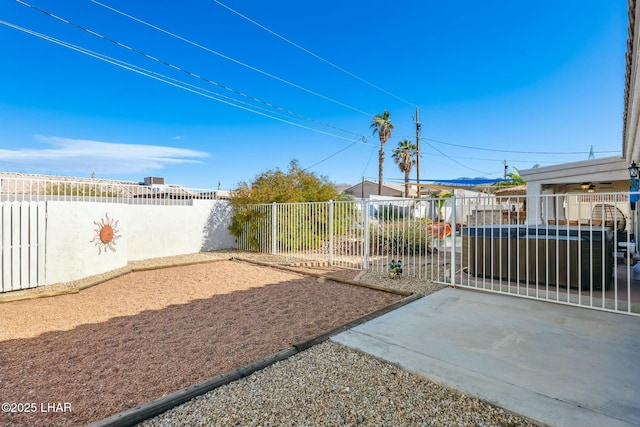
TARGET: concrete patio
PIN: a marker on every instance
(558, 365)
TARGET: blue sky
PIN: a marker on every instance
(240, 87)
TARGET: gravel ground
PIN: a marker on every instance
(326, 385)
(330, 384)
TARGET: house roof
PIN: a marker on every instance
(518, 190)
(395, 187)
(602, 169)
(392, 186)
(629, 81)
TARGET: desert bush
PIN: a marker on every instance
(401, 237)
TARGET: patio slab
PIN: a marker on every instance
(556, 364)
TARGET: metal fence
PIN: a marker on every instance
(326, 232)
(574, 249)
(35, 189)
(362, 234)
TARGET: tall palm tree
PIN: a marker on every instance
(382, 126)
(405, 158)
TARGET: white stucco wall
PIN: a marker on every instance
(74, 250)
(160, 231)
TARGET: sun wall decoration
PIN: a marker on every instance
(106, 234)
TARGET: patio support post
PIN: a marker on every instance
(534, 204)
(549, 203)
(560, 207)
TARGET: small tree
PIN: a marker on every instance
(294, 185)
(275, 185)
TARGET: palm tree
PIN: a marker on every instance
(405, 158)
(515, 178)
(382, 126)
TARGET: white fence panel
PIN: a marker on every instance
(22, 231)
(5, 211)
(24, 246)
(15, 246)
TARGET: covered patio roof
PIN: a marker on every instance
(571, 175)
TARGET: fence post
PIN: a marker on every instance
(452, 272)
(365, 224)
(273, 228)
(331, 209)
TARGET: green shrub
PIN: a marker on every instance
(401, 237)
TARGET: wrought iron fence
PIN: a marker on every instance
(567, 248)
(36, 189)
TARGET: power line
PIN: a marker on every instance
(508, 151)
(168, 80)
(175, 67)
(235, 61)
(155, 27)
(498, 160)
(369, 159)
(455, 161)
(313, 54)
(179, 85)
(517, 151)
(173, 82)
(165, 80)
(333, 155)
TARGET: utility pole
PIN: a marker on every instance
(418, 151)
(505, 169)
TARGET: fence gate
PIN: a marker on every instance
(22, 238)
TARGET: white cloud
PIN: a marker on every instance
(68, 155)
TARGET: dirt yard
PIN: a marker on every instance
(73, 359)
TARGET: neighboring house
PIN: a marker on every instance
(366, 189)
(608, 174)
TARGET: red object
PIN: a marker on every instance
(443, 229)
